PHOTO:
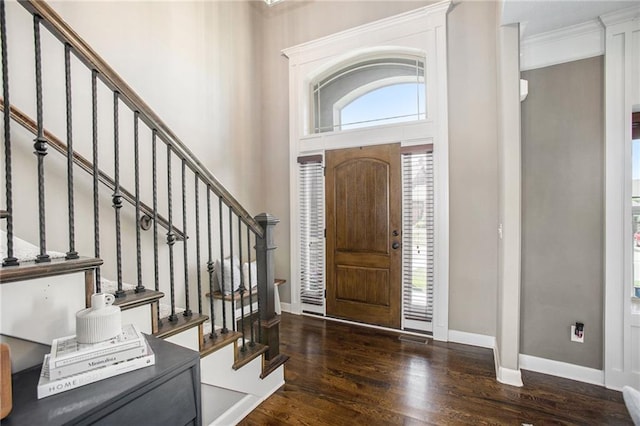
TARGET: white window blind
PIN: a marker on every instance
(417, 236)
(311, 220)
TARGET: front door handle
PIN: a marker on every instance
(395, 245)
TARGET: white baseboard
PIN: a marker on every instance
(285, 307)
(243, 407)
(562, 369)
(473, 339)
(508, 376)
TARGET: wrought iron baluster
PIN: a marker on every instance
(154, 167)
(72, 253)
(185, 246)
(225, 330)
(96, 171)
(253, 340)
(241, 289)
(210, 268)
(136, 158)
(171, 240)
(197, 196)
(231, 275)
(117, 196)
(40, 143)
(10, 260)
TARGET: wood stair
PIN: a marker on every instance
(31, 270)
(168, 328)
(132, 299)
(244, 357)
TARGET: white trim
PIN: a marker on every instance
(621, 16)
(561, 369)
(621, 94)
(505, 375)
(509, 377)
(315, 49)
(285, 307)
(361, 324)
(441, 186)
(473, 339)
(573, 43)
(242, 408)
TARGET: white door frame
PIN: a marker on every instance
(622, 87)
(422, 31)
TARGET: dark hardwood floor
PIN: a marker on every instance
(348, 375)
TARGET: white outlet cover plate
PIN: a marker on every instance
(575, 338)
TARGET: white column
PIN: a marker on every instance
(508, 326)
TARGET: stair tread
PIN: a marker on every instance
(169, 328)
(211, 345)
(131, 299)
(31, 269)
(249, 354)
(217, 294)
(272, 365)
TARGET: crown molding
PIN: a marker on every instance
(569, 44)
(433, 10)
(619, 16)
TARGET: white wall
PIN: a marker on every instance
(194, 64)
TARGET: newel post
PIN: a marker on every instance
(269, 321)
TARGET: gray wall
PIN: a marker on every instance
(562, 211)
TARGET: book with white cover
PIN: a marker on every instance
(66, 350)
(100, 360)
(49, 386)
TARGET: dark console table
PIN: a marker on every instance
(167, 393)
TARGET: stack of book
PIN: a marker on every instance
(71, 364)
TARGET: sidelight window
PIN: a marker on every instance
(635, 200)
(311, 220)
(417, 237)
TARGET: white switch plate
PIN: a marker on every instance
(575, 338)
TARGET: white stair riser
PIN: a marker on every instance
(188, 338)
(42, 309)
(140, 317)
(216, 369)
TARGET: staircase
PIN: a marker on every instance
(132, 211)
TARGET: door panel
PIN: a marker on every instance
(363, 223)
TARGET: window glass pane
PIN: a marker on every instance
(359, 94)
(391, 104)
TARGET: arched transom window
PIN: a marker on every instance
(370, 92)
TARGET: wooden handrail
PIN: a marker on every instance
(25, 121)
(63, 32)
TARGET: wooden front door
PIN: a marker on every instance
(363, 201)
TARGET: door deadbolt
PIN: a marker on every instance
(395, 233)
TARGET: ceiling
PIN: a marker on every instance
(540, 16)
